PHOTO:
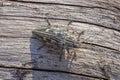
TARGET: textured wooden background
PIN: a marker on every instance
(97, 59)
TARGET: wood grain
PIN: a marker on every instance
(20, 74)
(96, 16)
(98, 57)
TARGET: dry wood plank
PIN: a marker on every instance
(100, 49)
(96, 16)
(105, 4)
(19, 50)
(24, 26)
(86, 62)
(20, 74)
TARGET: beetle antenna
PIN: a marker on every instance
(47, 19)
(79, 34)
(48, 22)
(69, 23)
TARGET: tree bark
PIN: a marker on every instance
(98, 58)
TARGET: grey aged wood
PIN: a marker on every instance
(20, 74)
(98, 57)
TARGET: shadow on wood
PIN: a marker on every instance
(45, 59)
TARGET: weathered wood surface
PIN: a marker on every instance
(98, 57)
(20, 74)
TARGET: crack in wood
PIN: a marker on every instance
(53, 3)
(4, 36)
(99, 25)
(22, 74)
(102, 46)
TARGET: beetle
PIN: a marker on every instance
(62, 37)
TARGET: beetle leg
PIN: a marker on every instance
(74, 54)
(47, 19)
(68, 51)
(48, 22)
(61, 53)
(69, 23)
(41, 47)
(62, 47)
(79, 34)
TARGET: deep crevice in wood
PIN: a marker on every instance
(102, 46)
(47, 70)
(99, 25)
